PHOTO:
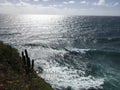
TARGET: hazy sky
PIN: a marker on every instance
(64, 7)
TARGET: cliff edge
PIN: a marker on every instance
(13, 75)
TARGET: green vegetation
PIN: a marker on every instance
(13, 75)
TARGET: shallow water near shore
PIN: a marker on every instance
(75, 52)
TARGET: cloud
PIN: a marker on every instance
(71, 2)
(27, 8)
(56, 5)
(100, 3)
(39, 0)
(36, 0)
(6, 4)
(109, 4)
(45, 0)
(116, 4)
(65, 2)
(58, 8)
(38, 10)
(22, 4)
(83, 2)
(68, 2)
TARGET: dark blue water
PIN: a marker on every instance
(75, 52)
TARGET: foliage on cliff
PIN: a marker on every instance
(13, 75)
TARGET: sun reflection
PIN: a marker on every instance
(43, 19)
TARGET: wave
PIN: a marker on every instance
(5, 28)
(78, 51)
(92, 52)
(5, 34)
(108, 40)
(36, 45)
(104, 63)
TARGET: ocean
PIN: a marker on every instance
(75, 52)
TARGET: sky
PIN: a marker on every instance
(61, 7)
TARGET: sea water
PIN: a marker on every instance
(75, 52)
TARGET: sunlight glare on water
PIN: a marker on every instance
(74, 51)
